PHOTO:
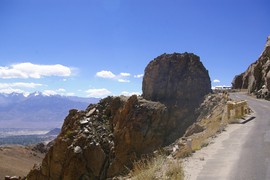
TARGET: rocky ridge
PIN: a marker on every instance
(102, 141)
(257, 76)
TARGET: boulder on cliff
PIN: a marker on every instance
(180, 81)
(107, 137)
(176, 80)
(257, 75)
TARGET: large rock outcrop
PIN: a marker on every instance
(107, 137)
(180, 81)
(103, 140)
(257, 75)
(176, 80)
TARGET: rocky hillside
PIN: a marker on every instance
(257, 75)
(107, 137)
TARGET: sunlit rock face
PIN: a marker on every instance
(258, 73)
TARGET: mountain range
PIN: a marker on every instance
(38, 110)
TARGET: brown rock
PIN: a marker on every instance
(139, 128)
(257, 74)
(180, 81)
(195, 128)
(176, 80)
(122, 129)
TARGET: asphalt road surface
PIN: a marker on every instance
(245, 155)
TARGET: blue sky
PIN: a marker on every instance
(101, 47)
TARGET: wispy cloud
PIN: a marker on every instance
(122, 77)
(123, 74)
(126, 93)
(138, 76)
(70, 94)
(19, 84)
(98, 93)
(216, 81)
(123, 80)
(29, 70)
(61, 90)
(49, 92)
(12, 90)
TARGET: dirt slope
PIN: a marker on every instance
(17, 160)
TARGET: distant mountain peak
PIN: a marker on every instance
(37, 93)
(38, 109)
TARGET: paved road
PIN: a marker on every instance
(245, 155)
(254, 162)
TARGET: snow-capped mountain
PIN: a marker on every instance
(38, 110)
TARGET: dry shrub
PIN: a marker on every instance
(174, 171)
(157, 168)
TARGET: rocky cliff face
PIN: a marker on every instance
(257, 74)
(180, 81)
(107, 137)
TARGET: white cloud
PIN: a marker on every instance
(126, 93)
(19, 84)
(105, 74)
(122, 77)
(11, 90)
(124, 74)
(70, 94)
(98, 93)
(138, 76)
(216, 81)
(49, 92)
(61, 90)
(29, 70)
(123, 80)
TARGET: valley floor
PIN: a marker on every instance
(17, 160)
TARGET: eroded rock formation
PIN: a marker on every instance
(257, 75)
(176, 80)
(180, 81)
(107, 137)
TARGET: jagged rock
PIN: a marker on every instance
(195, 128)
(257, 74)
(40, 147)
(43, 147)
(122, 129)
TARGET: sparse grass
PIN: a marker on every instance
(146, 169)
(174, 171)
(157, 168)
